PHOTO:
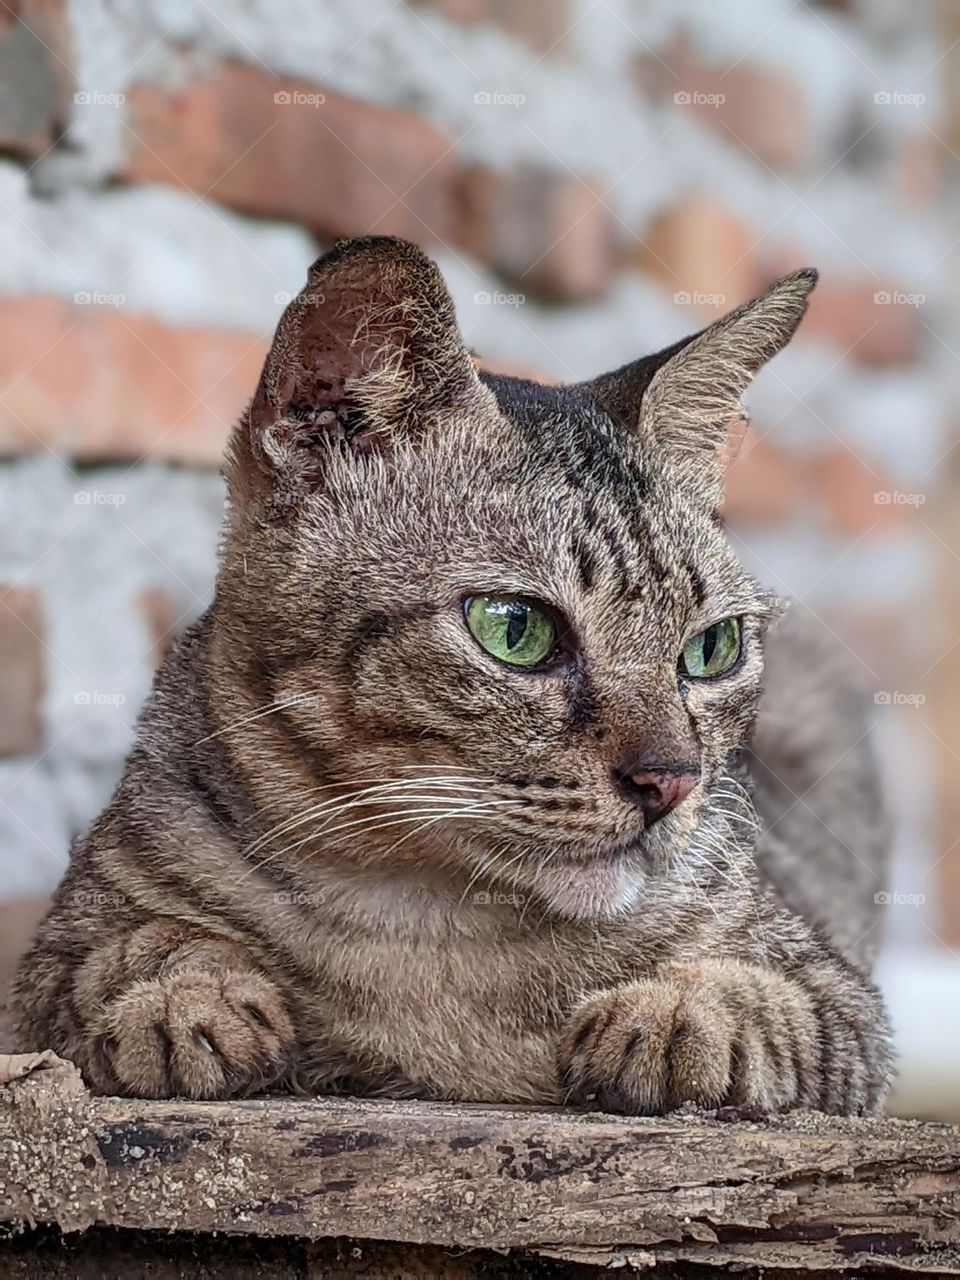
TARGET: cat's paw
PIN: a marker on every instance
(193, 1034)
(713, 1034)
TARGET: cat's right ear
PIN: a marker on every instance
(683, 401)
(367, 353)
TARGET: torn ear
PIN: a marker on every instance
(368, 350)
(684, 400)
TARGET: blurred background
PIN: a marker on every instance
(596, 179)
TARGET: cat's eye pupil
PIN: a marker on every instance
(713, 652)
(518, 632)
(516, 624)
(709, 644)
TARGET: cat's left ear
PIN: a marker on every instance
(684, 399)
(368, 352)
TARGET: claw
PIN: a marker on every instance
(204, 1043)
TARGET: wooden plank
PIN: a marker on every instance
(804, 1192)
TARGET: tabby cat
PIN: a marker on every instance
(448, 794)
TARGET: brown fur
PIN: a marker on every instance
(352, 851)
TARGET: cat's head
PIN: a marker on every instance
(503, 615)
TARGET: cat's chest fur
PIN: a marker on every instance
(467, 1000)
(427, 1012)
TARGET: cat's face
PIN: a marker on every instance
(510, 626)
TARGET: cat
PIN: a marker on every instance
(448, 794)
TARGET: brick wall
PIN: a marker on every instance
(595, 181)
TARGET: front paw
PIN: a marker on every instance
(714, 1034)
(193, 1034)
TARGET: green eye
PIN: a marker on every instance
(512, 630)
(713, 651)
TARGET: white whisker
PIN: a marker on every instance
(366, 795)
(260, 712)
(374, 821)
(374, 818)
(471, 811)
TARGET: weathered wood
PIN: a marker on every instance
(803, 1193)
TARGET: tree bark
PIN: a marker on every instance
(691, 1193)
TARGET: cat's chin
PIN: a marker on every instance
(592, 890)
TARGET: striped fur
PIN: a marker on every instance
(351, 851)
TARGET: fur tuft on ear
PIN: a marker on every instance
(684, 399)
(368, 350)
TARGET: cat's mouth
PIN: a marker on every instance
(609, 853)
(601, 880)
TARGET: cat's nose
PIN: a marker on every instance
(656, 789)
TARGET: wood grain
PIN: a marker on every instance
(803, 1193)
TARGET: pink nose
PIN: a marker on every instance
(656, 791)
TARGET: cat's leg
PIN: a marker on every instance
(168, 1011)
(721, 1032)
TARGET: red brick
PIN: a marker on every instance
(851, 315)
(513, 369)
(95, 382)
(18, 923)
(762, 111)
(919, 171)
(832, 488)
(549, 233)
(765, 484)
(35, 81)
(21, 670)
(162, 616)
(542, 24)
(702, 251)
(255, 142)
(850, 493)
